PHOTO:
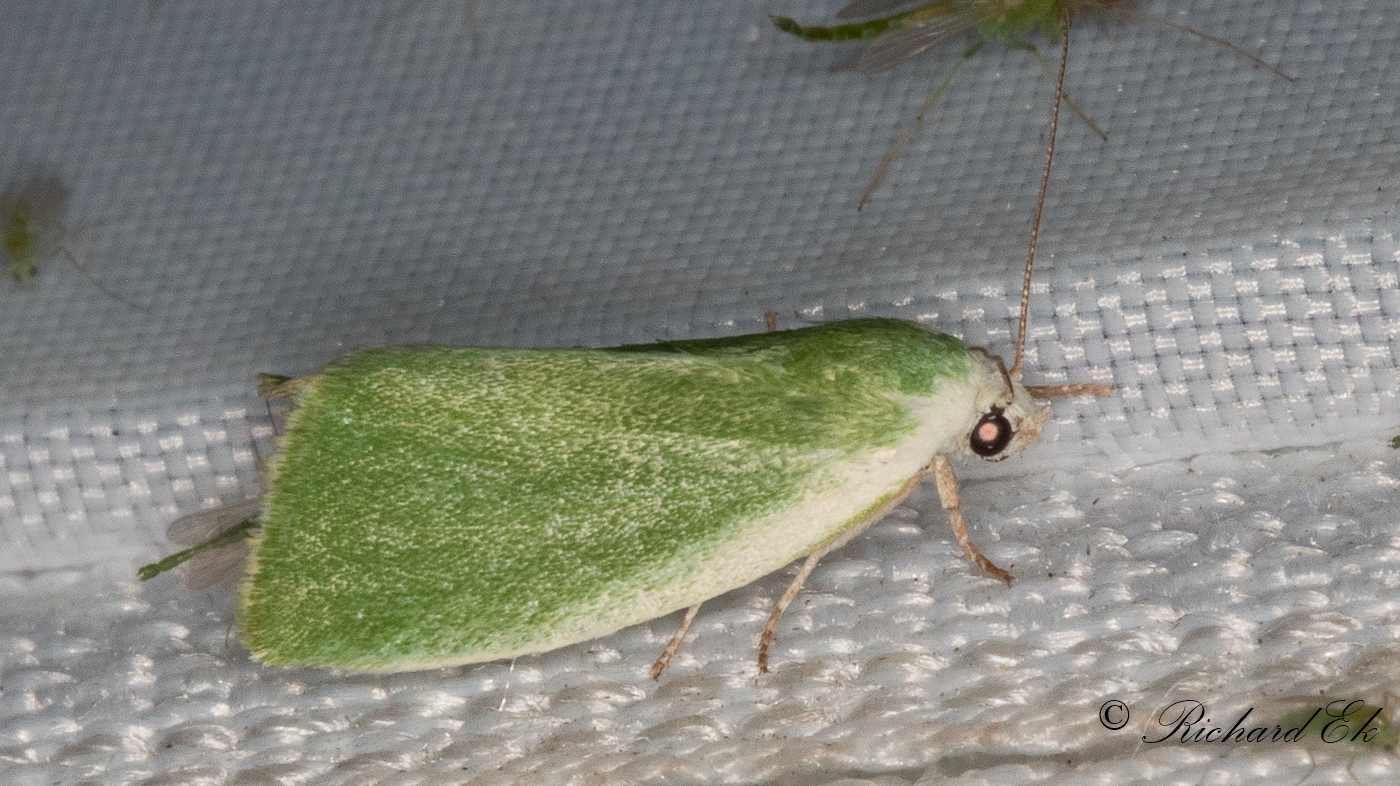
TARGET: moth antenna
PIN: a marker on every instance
(1065, 21)
(898, 145)
(1044, 392)
(1242, 52)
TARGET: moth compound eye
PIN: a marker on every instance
(991, 435)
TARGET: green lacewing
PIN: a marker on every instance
(893, 31)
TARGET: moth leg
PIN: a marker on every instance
(948, 492)
(674, 645)
(771, 629)
(1043, 392)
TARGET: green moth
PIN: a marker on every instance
(893, 31)
(433, 506)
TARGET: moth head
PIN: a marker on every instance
(1006, 418)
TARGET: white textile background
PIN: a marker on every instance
(264, 185)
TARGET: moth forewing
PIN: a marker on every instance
(434, 506)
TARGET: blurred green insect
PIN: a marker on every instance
(896, 30)
(31, 216)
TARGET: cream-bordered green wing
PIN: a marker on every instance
(437, 506)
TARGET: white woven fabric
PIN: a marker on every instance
(272, 183)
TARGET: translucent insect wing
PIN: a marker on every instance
(217, 565)
(441, 506)
(197, 527)
(892, 49)
(930, 25)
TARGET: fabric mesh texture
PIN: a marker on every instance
(261, 186)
